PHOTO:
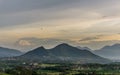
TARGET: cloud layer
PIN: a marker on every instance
(78, 22)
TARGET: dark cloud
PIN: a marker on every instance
(12, 6)
(89, 38)
(16, 12)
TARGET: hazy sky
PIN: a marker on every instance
(26, 24)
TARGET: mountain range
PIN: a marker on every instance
(6, 52)
(111, 52)
(63, 53)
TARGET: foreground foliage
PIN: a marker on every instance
(22, 68)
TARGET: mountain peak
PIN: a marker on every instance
(63, 44)
(40, 49)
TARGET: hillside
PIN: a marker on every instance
(63, 53)
(6, 52)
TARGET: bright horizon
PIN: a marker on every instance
(27, 24)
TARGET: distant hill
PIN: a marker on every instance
(63, 53)
(6, 52)
(84, 48)
(111, 52)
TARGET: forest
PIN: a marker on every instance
(33, 68)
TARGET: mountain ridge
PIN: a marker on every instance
(63, 52)
(6, 52)
(111, 52)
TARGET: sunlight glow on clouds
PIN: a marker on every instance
(78, 22)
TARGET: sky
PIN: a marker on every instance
(27, 24)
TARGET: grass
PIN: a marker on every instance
(4, 74)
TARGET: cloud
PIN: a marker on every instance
(106, 26)
(94, 37)
(58, 21)
(89, 39)
(32, 42)
(18, 12)
(21, 12)
(47, 16)
(24, 43)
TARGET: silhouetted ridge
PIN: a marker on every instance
(63, 52)
(63, 45)
(40, 48)
(38, 52)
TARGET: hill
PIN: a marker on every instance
(111, 52)
(6, 52)
(63, 53)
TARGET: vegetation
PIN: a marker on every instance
(33, 68)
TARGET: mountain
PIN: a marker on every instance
(36, 53)
(63, 53)
(111, 52)
(69, 51)
(6, 52)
